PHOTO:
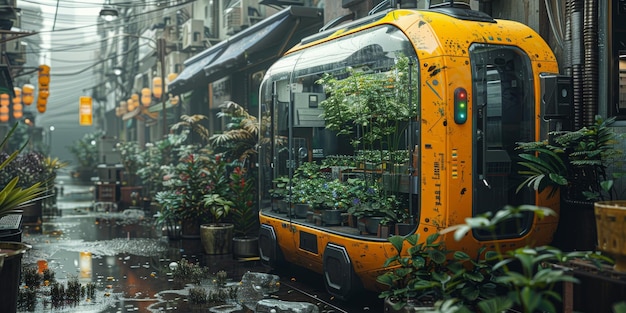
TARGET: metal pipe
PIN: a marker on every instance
(161, 52)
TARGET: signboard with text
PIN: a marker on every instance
(85, 111)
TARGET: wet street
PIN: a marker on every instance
(131, 264)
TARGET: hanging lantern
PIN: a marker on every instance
(17, 103)
(157, 87)
(18, 95)
(131, 104)
(28, 92)
(4, 108)
(146, 97)
(170, 78)
(42, 101)
(135, 98)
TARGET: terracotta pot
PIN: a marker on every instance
(217, 238)
(611, 228)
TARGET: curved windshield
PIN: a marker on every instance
(296, 129)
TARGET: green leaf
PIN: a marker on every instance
(397, 242)
(437, 256)
(495, 305)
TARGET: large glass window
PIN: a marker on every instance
(292, 97)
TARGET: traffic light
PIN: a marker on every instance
(460, 106)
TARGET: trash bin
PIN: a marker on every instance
(10, 268)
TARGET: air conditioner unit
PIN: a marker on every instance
(237, 16)
(193, 34)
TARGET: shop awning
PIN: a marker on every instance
(194, 69)
(264, 41)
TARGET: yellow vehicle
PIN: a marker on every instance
(474, 90)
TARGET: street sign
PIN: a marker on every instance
(85, 111)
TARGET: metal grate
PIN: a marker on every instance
(10, 222)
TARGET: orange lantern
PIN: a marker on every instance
(28, 91)
(17, 103)
(146, 97)
(170, 78)
(135, 98)
(131, 104)
(4, 108)
(44, 77)
(42, 101)
(157, 87)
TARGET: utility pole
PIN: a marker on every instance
(161, 52)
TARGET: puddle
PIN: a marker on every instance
(124, 257)
(128, 262)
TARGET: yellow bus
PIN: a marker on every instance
(464, 88)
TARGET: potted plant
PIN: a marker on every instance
(154, 160)
(85, 152)
(244, 213)
(30, 168)
(51, 166)
(526, 277)
(576, 165)
(130, 155)
(373, 206)
(217, 231)
(518, 280)
(281, 194)
(12, 196)
(185, 187)
(422, 273)
(239, 140)
(373, 105)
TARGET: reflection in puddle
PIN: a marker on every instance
(124, 258)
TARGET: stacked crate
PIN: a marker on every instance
(108, 186)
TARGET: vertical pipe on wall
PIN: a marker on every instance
(590, 70)
(574, 8)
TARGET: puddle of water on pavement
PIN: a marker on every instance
(124, 257)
